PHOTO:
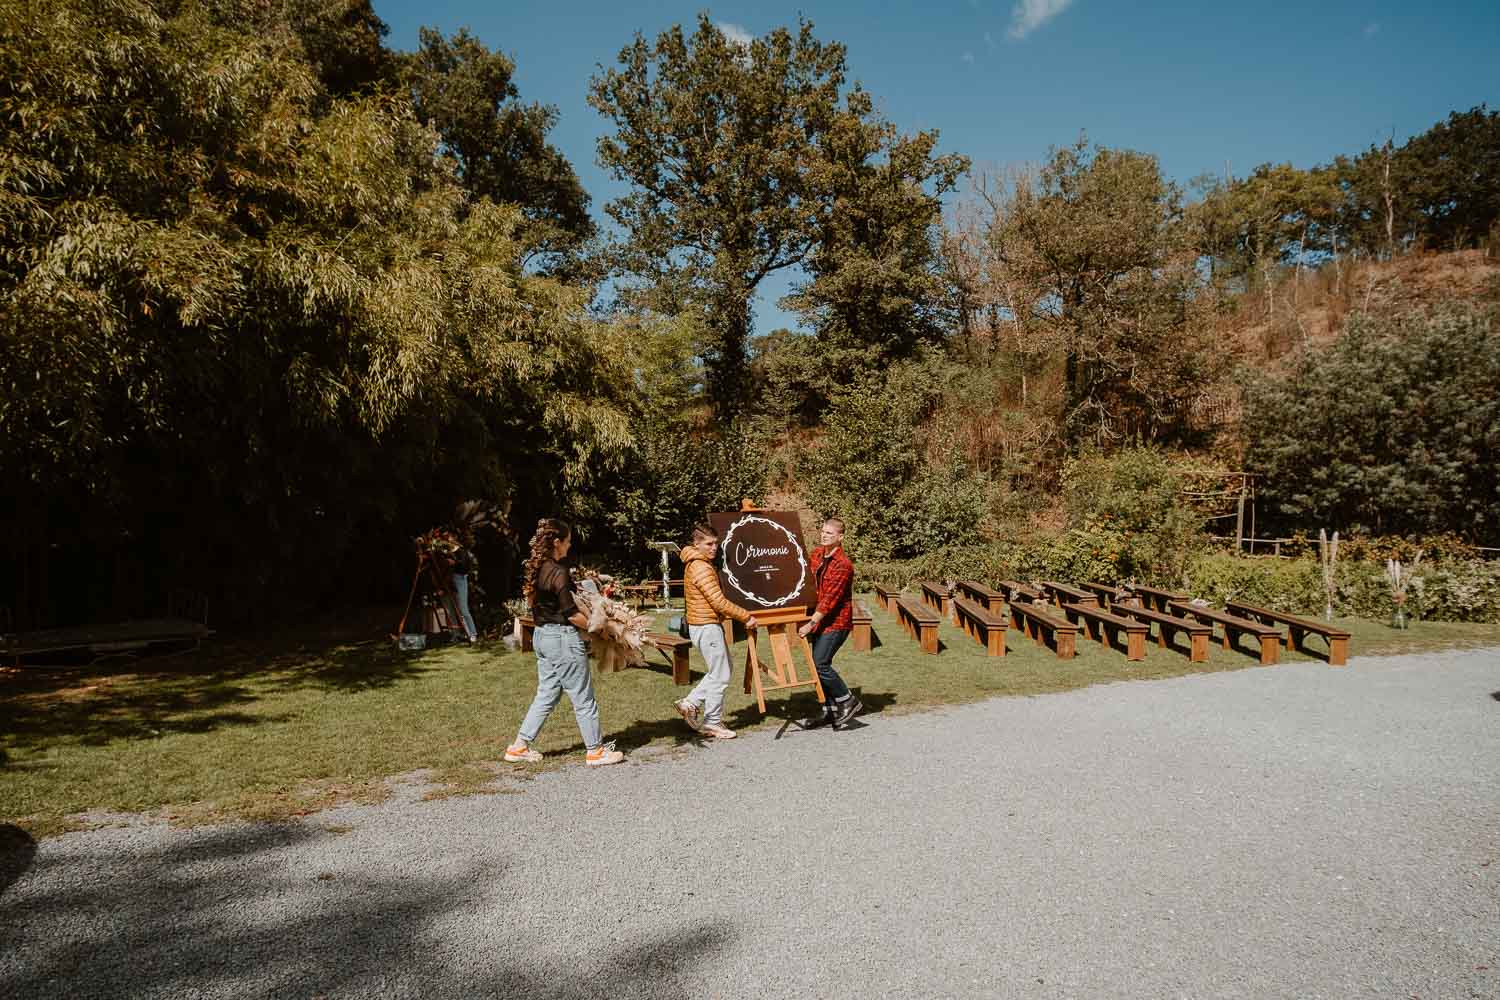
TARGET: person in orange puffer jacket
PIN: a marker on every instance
(707, 607)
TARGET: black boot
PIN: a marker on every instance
(847, 710)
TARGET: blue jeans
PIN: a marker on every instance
(461, 591)
(824, 645)
(562, 664)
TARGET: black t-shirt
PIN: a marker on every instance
(552, 601)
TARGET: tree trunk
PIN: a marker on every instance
(726, 360)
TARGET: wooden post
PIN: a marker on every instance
(1239, 521)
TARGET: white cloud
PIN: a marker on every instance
(968, 57)
(736, 35)
(1029, 15)
(1372, 29)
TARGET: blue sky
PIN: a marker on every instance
(1200, 85)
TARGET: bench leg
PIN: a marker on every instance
(1064, 643)
(680, 672)
(1135, 646)
(1338, 652)
(995, 641)
(861, 638)
(929, 639)
(1200, 649)
(526, 643)
(1270, 650)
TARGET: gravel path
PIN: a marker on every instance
(1295, 831)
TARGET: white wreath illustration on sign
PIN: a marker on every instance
(796, 547)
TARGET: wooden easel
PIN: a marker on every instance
(781, 627)
(442, 586)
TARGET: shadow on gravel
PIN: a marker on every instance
(1495, 695)
(17, 851)
(238, 912)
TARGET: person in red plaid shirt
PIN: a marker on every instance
(831, 623)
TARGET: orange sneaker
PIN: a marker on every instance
(604, 753)
(521, 753)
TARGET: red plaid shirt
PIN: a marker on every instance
(835, 576)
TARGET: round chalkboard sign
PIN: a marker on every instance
(763, 560)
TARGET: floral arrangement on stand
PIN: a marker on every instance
(439, 545)
(1400, 579)
(618, 632)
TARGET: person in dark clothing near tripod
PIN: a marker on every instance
(831, 623)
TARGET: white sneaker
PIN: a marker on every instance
(691, 714)
(603, 754)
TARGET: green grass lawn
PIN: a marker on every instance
(277, 728)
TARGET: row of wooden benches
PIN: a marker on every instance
(1104, 613)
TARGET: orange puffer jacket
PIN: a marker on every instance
(706, 603)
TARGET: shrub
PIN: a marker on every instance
(871, 469)
(1395, 429)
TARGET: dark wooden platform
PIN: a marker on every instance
(121, 638)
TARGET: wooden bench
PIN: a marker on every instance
(1234, 627)
(919, 621)
(1062, 593)
(1337, 638)
(983, 625)
(938, 597)
(1155, 598)
(863, 635)
(1106, 594)
(886, 598)
(1014, 590)
(676, 649)
(1034, 620)
(1168, 626)
(1102, 627)
(982, 595)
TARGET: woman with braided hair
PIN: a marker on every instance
(562, 660)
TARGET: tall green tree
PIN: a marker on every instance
(248, 323)
(876, 285)
(1088, 261)
(730, 152)
(498, 144)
